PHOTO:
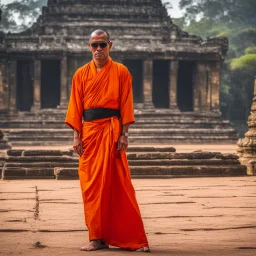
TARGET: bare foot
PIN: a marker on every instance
(95, 245)
(143, 249)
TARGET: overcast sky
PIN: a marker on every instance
(174, 12)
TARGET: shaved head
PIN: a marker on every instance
(100, 32)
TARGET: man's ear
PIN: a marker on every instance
(110, 44)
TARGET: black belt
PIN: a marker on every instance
(98, 113)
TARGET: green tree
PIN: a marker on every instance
(235, 19)
(233, 12)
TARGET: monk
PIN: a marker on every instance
(101, 94)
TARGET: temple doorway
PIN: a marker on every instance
(160, 90)
(185, 86)
(50, 83)
(135, 67)
(24, 85)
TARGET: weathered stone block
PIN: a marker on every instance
(66, 173)
(150, 149)
(14, 152)
(41, 153)
(227, 156)
(39, 159)
(13, 172)
(182, 162)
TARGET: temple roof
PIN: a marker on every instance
(136, 11)
(141, 26)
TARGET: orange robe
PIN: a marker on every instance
(110, 206)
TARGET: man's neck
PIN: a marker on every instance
(100, 64)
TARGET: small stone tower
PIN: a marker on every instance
(247, 146)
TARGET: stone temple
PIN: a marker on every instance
(176, 76)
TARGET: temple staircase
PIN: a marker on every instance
(144, 162)
(47, 128)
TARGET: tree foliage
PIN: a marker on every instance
(20, 14)
(230, 12)
(235, 19)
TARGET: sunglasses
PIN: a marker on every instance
(102, 45)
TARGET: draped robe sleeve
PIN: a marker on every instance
(126, 96)
(75, 106)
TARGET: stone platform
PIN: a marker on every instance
(144, 162)
(159, 126)
(182, 217)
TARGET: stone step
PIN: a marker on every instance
(70, 152)
(136, 171)
(155, 162)
(150, 129)
(184, 156)
(142, 124)
(167, 171)
(18, 137)
(179, 162)
(157, 113)
(46, 164)
(14, 173)
(44, 152)
(134, 153)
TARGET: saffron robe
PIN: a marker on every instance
(110, 206)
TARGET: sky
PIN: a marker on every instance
(174, 12)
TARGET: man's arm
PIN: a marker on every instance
(77, 143)
(122, 143)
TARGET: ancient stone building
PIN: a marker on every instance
(176, 76)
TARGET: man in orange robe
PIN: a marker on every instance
(102, 94)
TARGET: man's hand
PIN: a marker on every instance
(78, 146)
(122, 143)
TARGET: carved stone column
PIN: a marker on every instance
(173, 85)
(64, 83)
(147, 84)
(214, 84)
(201, 87)
(37, 86)
(4, 90)
(247, 146)
(12, 86)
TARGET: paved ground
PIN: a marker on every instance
(192, 217)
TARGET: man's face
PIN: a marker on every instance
(99, 52)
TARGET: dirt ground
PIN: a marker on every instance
(182, 217)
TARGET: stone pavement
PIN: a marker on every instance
(190, 216)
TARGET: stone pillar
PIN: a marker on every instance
(37, 85)
(147, 84)
(12, 86)
(4, 90)
(201, 87)
(72, 68)
(64, 82)
(214, 84)
(247, 146)
(173, 85)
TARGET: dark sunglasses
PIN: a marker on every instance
(102, 45)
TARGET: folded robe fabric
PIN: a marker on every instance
(110, 206)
